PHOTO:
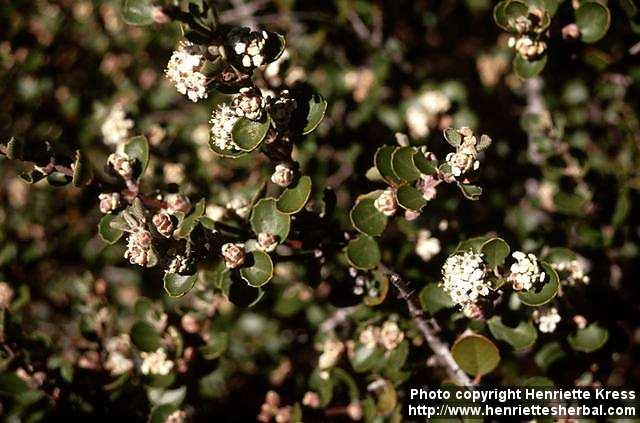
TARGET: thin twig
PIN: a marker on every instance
(337, 318)
(429, 330)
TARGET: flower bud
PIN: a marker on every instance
(163, 223)
(248, 104)
(139, 247)
(571, 32)
(233, 254)
(109, 202)
(386, 203)
(268, 242)
(283, 175)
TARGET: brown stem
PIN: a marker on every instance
(428, 329)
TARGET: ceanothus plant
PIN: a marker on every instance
(286, 239)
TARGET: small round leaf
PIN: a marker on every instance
(433, 298)
(522, 336)
(542, 294)
(109, 234)
(137, 12)
(260, 270)
(367, 219)
(593, 19)
(363, 252)
(528, 68)
(248, 134)
(265, 217)
(410, 198)
(476, 354)
(177, 285)
(589, 339)
(402, 164)
(317, 109)
(382, 160)
(145, 337)
(495, 251)
(294, 198)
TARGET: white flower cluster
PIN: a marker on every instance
(181, 70)
(248, 103)
(155, 363)
(525, 272)
(109, 201)
(122, 164)
(222, 120)
(464, 278)
(116, 126)
(423, 112)
(389, 336)
(572, 271)
(527, 47)
(331, 351)
(465, 157)
(427, 246)
(249, 46)
(117, 361)
(548, 320)
(283, 175)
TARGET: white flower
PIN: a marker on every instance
(178, 416)
(464, 278)
(427, 246)
(181, 70)
(248, 46)
(370, 336)
(434, 102)
(248, 104)
(465, 157)
(116, 126)
(117, 363)
(386, 203)
(155, 363)
(525, 272)
(390, 335)
(572, 271)
(6, 294)
(331, 351)
(267, 241)
(548, 320)
(122, 164)
(222, 120)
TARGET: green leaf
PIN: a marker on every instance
(499, 15)
(82, 172)
(138, 148)
(248, 134)
(495, 251)
(160, 413)
(363, 252)
(189, 223)
(433, 298)
(472, 192)
(145, 337)
(177, 285)
(453, 137)
(522, 336)
(12, 384)
(229, 153)
(366, 218)
(538, 382)
(542, 294)
(528, 68)
(402, 164)
(261, 270)
(109, 234)
(472, 244)
(317, 109)
(593, 19)
(58, 179)
(216, 346)
(265, 217)
(382, 160)
(475, 354)
(549, 354)
(138, 12)
(515, 9)
(410, 198)
(294, 198)
(560, 255)
(589, 339)
(366, 358)
(427, 167)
